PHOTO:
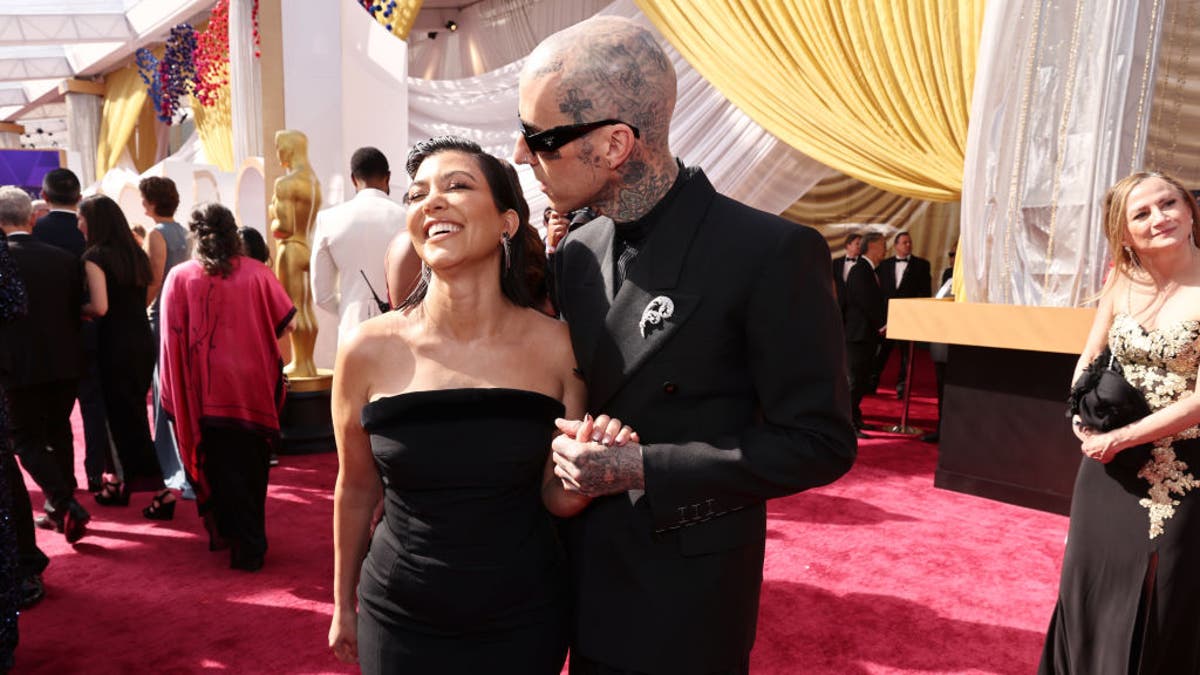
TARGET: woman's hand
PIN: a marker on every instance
(1081, 430)
(343, 636)
(1102, 447)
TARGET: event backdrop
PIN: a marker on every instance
(26, 168)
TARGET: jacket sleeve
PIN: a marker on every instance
(323, 271)
(796, 354)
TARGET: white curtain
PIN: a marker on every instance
(741, 159)
(244, 88)
(83, 131)
(1061, 108)
(490, 35)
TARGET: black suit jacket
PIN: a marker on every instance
(865, 308)
(740, 395)
(839, 279)
(61, 229)
(917, 281)
(44, 345)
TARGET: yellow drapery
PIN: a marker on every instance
(215, 126)
(126, 121)
(877, 89)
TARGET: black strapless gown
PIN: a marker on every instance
(465, 573)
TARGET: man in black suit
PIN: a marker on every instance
(60, 227)
(866, 319)
(843, 263)
(709, 327)
(904, 275)
(40, 362)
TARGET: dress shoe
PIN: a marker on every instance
(931, 437)
(248, 562)
(47, 522)
(860, 433)
(272, 459)
(95, 484)
(31, 591)
(74, 524)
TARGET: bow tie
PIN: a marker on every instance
(851, 260)
(901, 259)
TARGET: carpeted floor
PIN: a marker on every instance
(877, 573)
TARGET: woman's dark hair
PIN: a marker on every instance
(524, 280)
(162, 195)
(254, 245)
(110, 242)
(217, 241)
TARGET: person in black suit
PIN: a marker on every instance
(60, 227)
(843, 263)
(708, 327)
(866, 321)
(40, 362)
(904, 275)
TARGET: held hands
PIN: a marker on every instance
(596, 457)
(1102, 447)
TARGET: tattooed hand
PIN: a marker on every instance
(597, 457)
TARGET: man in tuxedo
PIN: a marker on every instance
(708, 327)
(866, 320)
(40, 362)
(347, 267)
(904, 275)
(843, 263)
(60, 227)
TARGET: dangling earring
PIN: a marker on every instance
(1132, 258)
(504, 243)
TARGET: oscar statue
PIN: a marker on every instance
(293, 211)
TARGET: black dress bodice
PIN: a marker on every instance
(465, 544)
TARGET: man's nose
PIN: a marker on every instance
(522, 154)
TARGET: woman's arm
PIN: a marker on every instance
(355, 494)
(156, 249)
(1171, 419)
(97, 287)
(1097, 339)
(557, 500)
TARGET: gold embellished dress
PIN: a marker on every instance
(1129, 596)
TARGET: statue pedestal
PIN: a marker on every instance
(306, 423)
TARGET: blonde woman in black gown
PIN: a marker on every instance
(1129, 598)
(446, 408)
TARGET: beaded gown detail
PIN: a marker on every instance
(1129, 596)
(12, 304)
(465, 573)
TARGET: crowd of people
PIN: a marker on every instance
(562, 444)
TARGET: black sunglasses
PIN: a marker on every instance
(550, 140)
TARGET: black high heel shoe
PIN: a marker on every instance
(160, 509)
(113, 493)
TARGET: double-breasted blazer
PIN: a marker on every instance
(739, 395)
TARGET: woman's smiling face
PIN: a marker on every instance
(452, 216)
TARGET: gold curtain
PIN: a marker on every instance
(215, 126)
(877, 89)
(839, 204)
(126, 121)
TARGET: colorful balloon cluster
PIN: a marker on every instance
(193, 63)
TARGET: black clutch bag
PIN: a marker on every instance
(1103, 398)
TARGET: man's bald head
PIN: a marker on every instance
(607, 68)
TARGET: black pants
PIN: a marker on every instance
(885, 352)
(40, 423)
(583, 666)
(860, 364)
(236, 465)
(125, 387)
(30, 559)
(91, 407)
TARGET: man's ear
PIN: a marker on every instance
(621, 142)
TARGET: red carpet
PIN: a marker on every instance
(878, 573)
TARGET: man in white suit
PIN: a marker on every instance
(347, 271)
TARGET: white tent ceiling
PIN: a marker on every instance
(43, 42)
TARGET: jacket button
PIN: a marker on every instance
(670, 387)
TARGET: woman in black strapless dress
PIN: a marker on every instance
(445, 409)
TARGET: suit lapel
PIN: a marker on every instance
(654, 273)
(587, 290)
